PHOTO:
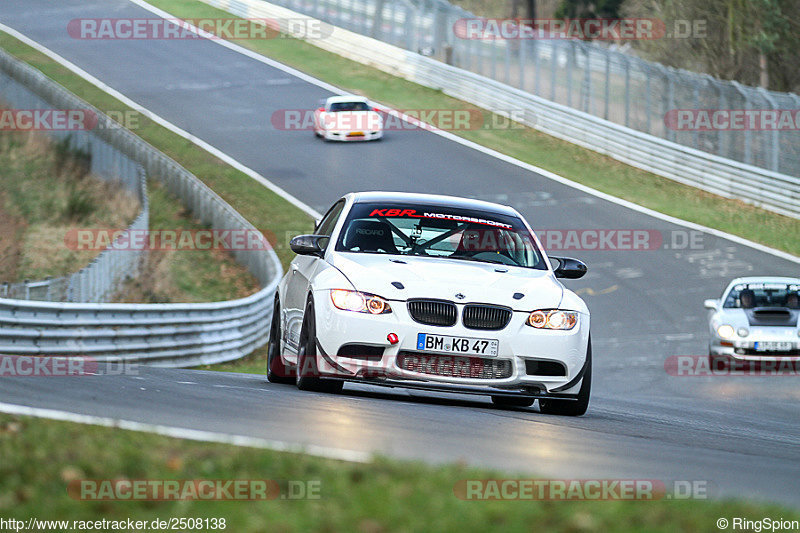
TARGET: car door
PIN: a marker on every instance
(301, 273)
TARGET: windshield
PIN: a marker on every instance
(749, 295)
(349, 106)
(439, 231)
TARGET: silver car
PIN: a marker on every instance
(755, 320)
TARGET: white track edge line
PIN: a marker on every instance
(186, 433)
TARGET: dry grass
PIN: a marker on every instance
(45, 193)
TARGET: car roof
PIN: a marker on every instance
(346, 98)
(765, 279)
(432, 200)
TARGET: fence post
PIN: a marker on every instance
(627, 92)
(607, 88)
(587, 80)
(774, 159)
(553, 60)
(748, 149)
(523, 44)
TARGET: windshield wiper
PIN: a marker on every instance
(467, 258)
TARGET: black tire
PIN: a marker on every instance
(718, 363)
(277, 371)
(307, 371)
(573, 407)
(512, 401)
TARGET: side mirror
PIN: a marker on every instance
(711, 304)
(569, 268)
(309, 244)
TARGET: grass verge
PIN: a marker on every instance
(375, 497)
(568, 160)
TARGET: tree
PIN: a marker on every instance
(756, 42)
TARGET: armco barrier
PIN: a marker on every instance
(160, 334)
(764, 188)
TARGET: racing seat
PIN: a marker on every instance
(370, 236)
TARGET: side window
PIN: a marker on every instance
(329, 220)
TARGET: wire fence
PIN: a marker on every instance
(594, 78)
(107, 272)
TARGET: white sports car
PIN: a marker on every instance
(347, 118)
(756, 319)
(436, 293)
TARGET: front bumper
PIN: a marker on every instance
(744, 349)
(518, 345)
(349, 136)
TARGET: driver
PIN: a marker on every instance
(747, 299)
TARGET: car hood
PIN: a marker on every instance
(428, 277)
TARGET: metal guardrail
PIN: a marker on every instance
(160, 334)
(732, 179)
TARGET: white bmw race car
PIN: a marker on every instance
(755, 320)
(436, 293)
(347, 118)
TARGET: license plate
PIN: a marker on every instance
(462, 345)
(773, 346)
(356, 134)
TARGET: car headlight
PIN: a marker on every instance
(359, 302)
(725, 331)
(743, 332)
(553, 319)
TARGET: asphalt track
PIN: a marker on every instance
(738, 433)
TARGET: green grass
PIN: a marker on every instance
(40, 458)
(185, 276)
(568, 160)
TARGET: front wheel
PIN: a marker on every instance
(277, 370)
(307, 376)
(578, 406)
